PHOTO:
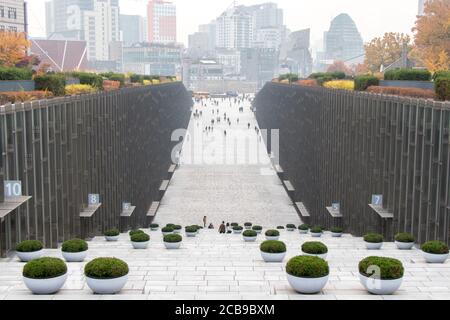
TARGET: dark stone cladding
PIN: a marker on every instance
(343, 147)
(117, 144)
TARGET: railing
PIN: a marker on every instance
(348, 148)
(116, 144)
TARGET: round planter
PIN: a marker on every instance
(45, 286)
(316, 235)
(307, 285)
(140, 245)
(303, 231)
(248, 228)
(272, 238)
(249, 239)
(112, 238)
(177, 231)
(404, 245)
(107, 286)
(434, 258)
(336, 235)
(373, 246)
(28, 256)
(74, 256)
(273, 257)
(323, 256)
(290, 229)
(382, 287)
(191, 234)
(172, 245)
(166, 233)
(258, 231)
(237, 231)
(154, 229)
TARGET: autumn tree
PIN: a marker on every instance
(13, 48)
(386, 50)
(340, 66)
(432, 35)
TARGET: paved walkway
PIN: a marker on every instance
(214, 266)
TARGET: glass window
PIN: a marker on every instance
(12, 13)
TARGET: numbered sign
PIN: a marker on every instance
(93, 199)
(377, 200)
(13, 188)
(336, 206)
(126, 206)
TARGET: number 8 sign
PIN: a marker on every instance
(93, 199)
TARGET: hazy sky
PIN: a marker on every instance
(373, 17)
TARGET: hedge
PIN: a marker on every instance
(442, 88)
(407, 92)
(13, 73)
(55, 83)
(365, 81)
(91, 79)
(291, 77)
(408, 74)
(340, 84)
(76, 89)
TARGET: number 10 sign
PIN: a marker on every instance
(13, 188)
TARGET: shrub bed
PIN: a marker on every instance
(442, 88)
(29, 246)
(140, 237)
(373, 238)
(314, 247)
(173, 238)
(365, 81)
(390, 269)
(404, 237)
(273, 246)
(407, 92)
(307, 267)
(340, 84)
(44, 268)
(408, 74)
(74, 245)
(112, 232)
(75, 89)
(55, 83)
(13, 73)
(435, 247)
(106, 268)
(308, 83)
(23, 96)
(89, 78)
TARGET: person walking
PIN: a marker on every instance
(204, 222)
(222, 227)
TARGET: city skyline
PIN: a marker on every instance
(299, 15)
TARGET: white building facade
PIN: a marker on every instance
(13, 15)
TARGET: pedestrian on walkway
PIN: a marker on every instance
(204, 222)
(222, 227)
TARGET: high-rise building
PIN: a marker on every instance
(234, 29)
(132, 29)
(210, 30)
(162, 21)
(13, 16)
(343, 40)
(198, 45)
(295, 53)
(259, 64)
(94, 21)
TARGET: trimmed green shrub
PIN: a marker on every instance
(280, 228)
(154, 225)
(112, 232)
(404, 237)
(44, 268)
(55, 83)
(408, 74)
(13, 73)
(177, 227)
(257, 228)
(441, 74)
(273, 246)
(442, 88)
(238, 228)
(74, 245)
(365, 81)
(272, 233)
(307, 267)
(140, 237)
(248, 224)
(114, 77)
(314, 247)
(167, 229)
(304, 227)
(136, 78)
(288, 76)
(373, 238)
(29, 246)
(170, 225)
(249, 233)
(191, 229)
(316, 230)
(290, 226)
(89, 78)
(435, 247)
(234, 224)
(337, 230)
(106, 268)
(133, 232)
(173, 238)
(390, 269)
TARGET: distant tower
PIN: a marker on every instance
(162, 21)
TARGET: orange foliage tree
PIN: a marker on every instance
(432, 35)
(340, 66)
(13, 48)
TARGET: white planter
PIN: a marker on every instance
(191, 234)
(237, 231)
(249, 239)
(177, 231)
(45, 286)
(140, 245)
(290, 229)
(323, 256)
(316, 235)
(107, 286)
(273, 238)
(112, 238)
(307, 285)
(154, 229)
(373, 246)
(434, 258)
(273, 257)
(378, 286)
(74, 256)
(166, 233)
(258, 231)
(172, 245)
(28, 256)
(404, 245)
(248, 228)
(303, 231)
(336, 235)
